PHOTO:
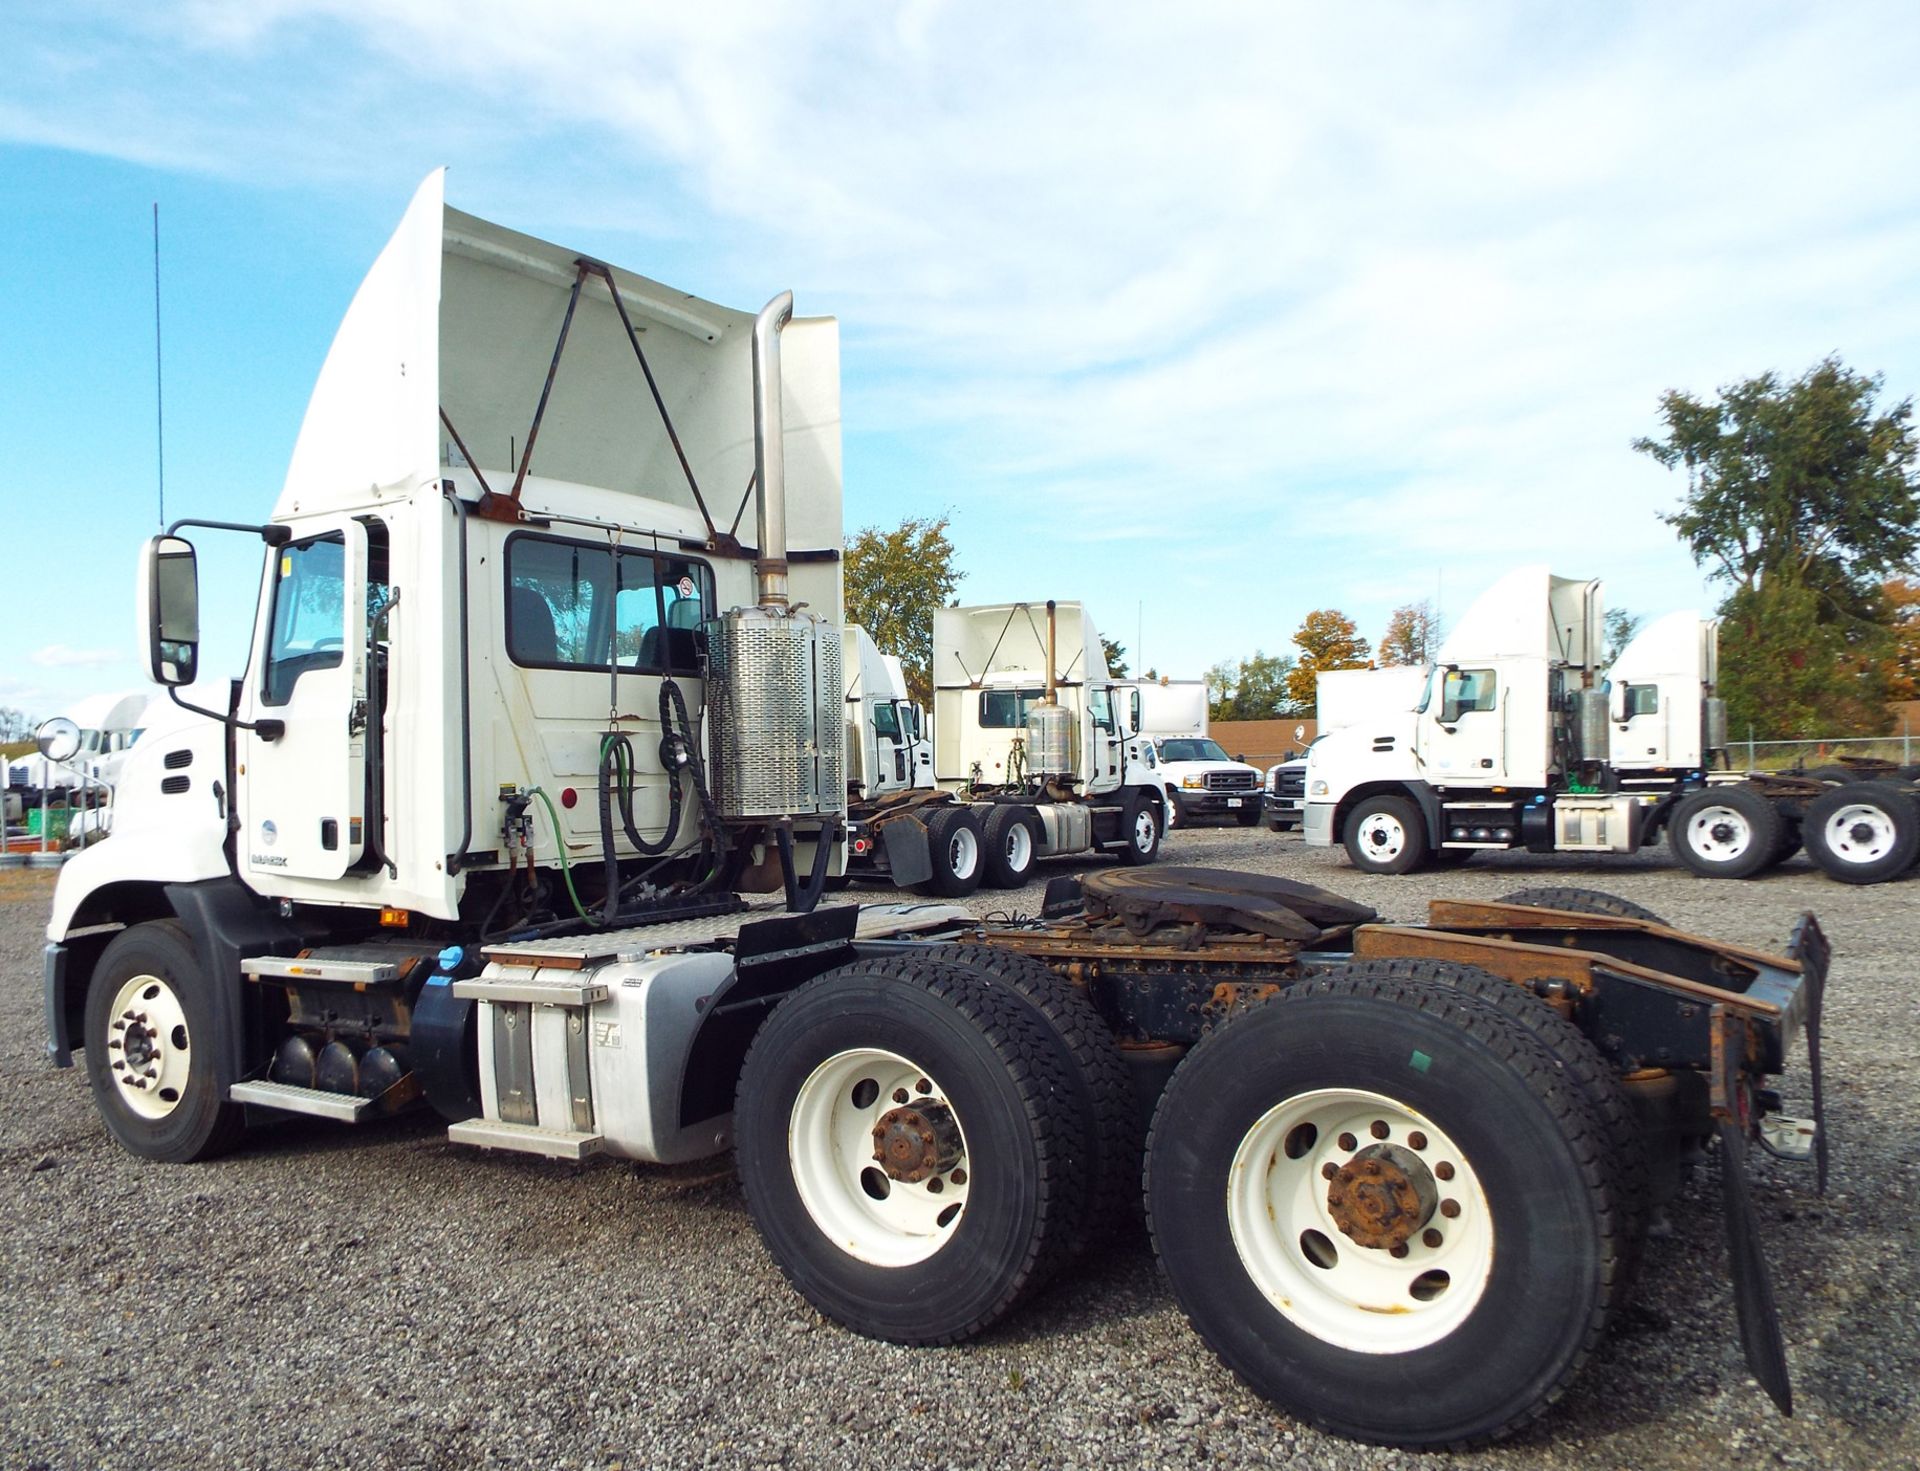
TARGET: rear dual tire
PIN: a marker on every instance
(1505, 1282)
(1864, 832)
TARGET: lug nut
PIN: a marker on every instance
(936, 1185)
(1443, 1170)
(1327, 1171)
(1379, 1129)
(1449, 1208)
(1397, 1251)
(923, 1086)
(1348, 1142)
(1430, 1237)
(1416, 1140)
(959, 1177)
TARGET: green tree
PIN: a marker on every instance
(1621, 627)
(1801, 497)
(894, 581)
(1254, 688)
(1327, 639)
(1412, 636)
(1116, 657)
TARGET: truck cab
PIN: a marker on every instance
(889, 748)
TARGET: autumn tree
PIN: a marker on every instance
(1116, 657)
(1412, 636)
(1902, 672)
(894, 581)
(1802, 498)
(1327, 639)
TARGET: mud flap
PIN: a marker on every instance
(909, 858)
(1752, 1286)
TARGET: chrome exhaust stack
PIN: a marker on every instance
(770, 451)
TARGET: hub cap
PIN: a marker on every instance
(1860, 832)
(879, 1157)
(1361, 1222)
(1383, 837)
(148, 1049)
(1719, 834)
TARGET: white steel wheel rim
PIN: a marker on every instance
(1018, 848)
(148, 1048)
(1719, 833)
(963, 852)
(1383, 836)
(1143, 830)
(830, 1148)
(1355, 1297)
(1860, 832)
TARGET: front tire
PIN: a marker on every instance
(902, 1149)
(1470, 1272)
(1386, 834)
(1141, 836)
(1863, 833)
(149, 1043)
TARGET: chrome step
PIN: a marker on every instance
(526, 1139)
(534, 988)
(345, 1108)
(318, 968)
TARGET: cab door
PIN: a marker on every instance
(303, 764)
(1461, 733)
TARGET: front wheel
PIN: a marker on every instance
(150, 1048)
(1365, 1183)
(1386, 834)
(1863, 833)
(1142, 831)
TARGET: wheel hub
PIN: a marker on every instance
(915, 1142)
(1381, 1196)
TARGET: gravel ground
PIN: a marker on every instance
(382, 1299)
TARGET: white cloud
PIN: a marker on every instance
(1394, 285)
(62, 656)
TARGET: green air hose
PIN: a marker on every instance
(566, 866)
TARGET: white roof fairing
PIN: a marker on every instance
(461, 314)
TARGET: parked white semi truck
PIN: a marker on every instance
(1036, 754)
(1519, 739)
(513, 737)
(1201, 779)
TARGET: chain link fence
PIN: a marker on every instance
(1902, 748)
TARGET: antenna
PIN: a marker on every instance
(159, 402)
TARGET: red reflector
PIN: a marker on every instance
(568, 796)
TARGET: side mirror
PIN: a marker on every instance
(58, 740)
(170, 608)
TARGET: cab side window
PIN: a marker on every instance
(309, 614)
(1467, 690)
(1642, 699)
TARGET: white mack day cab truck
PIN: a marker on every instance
(1518, 738)
(1036, 753)
(520, 811)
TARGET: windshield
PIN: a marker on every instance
(1192, 750)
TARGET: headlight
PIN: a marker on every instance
(1193, 783)
(1319, 789)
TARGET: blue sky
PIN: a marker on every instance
(1207, 315)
